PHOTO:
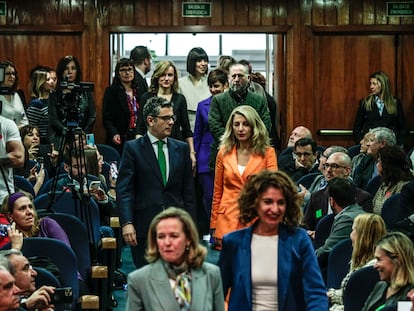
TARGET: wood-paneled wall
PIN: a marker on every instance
(328, 49)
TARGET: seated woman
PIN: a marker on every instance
(394, 254)
(177, 269)
(21, 213)
(367, 229)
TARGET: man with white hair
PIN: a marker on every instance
(9, 292)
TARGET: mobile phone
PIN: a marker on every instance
(114, 169)
(90, 139)
(62, 295)
(3, 230)
(95, 184)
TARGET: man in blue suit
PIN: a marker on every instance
(141, 190)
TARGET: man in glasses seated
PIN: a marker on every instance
(305, 159)
(338, 165)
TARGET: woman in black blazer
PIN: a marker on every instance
(120, 106)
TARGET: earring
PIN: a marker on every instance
(187, 248)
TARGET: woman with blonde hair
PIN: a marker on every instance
(164, 83)
(367, 229)
(177, 277)
(380, 108)
(245, 150)
(395, 266)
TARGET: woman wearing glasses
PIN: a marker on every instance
(164, 83)
(120, 106)
(245, 150)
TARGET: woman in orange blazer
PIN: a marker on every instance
(245, 150)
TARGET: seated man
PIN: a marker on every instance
(9, 292)
(297, 133)
(367, 168)
(24, 275)
(342, 198)
(338, 165)
(305, 161)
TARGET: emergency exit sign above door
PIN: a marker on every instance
(403, 9)
(196, 9)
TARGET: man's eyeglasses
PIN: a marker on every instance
(167, 118)
(304, 154)
(333, 166)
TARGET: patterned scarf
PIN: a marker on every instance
(182, 287)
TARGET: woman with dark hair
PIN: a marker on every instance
(394, 167)
(121, 106)
(12, 104)
(380, 108)
(164, 83)
(70, 105)
(194, 86)
(271, 265)
(177, 276)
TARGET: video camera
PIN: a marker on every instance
(3, 89)
(70, 101)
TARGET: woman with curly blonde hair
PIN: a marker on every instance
(271, 265)
(177, 278)
(245, 150)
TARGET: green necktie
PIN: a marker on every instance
(162, 162)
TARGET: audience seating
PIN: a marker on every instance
(23, 184)
(307, 179)
(389, 210)
(109, 153)
(338, 263)
(323, 229)
(320, 149)
(358, 288)
(354, 150)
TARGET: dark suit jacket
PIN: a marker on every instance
(115, 113)
(300, 284)
(318, 206)
(287, 165)
(142, 86)
(149, 289)
(363, 171)
(141, 193)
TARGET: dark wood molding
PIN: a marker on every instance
(362, 29)
(199, 29)
(42, 29)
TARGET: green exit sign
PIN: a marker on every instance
(196, 9)
(3, 8)
(400, 9)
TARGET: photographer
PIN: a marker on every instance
(70, 103)
(24, 275)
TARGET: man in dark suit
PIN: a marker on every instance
(141, 56)
(338, 165)
(141, 190)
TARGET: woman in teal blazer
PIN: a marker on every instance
(272, 199)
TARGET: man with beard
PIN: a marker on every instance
(223, 104)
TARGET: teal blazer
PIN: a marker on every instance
(149, 289)
(300, 284)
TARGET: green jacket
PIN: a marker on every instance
(221, 107)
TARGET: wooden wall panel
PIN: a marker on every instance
(406, 90)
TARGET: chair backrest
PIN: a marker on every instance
(359, 286)
(373, 185)
(323, 229)
(389, 210)
(354, 150)
(23, 184)
(338, 263)
(78, 238)
(307, 180)
(44, 277)
(109, 153)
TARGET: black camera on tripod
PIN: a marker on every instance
(70, 101)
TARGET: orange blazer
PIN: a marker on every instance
(228, 184)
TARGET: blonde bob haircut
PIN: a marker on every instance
(159, 71)
(260, 138)
(195, 254)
